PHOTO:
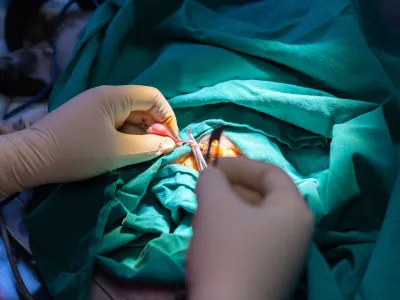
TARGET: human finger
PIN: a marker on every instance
(125, 100)
(250, 196)
(138, 148)
(213, 187)
(141, 119)
(132, 129)
(256, 175)
(151, 104)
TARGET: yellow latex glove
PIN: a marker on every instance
(80, 138)
(247, 251)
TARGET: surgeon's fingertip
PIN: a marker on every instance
(210, 183)
(173, 126)
(175, 132)
(205, 182)
(166, 145)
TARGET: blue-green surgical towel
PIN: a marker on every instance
(309, 85)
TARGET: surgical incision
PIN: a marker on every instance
(225, 148)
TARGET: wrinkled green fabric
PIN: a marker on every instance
(303, 84)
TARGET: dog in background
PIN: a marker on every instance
(27, 69)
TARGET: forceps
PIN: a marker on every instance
(201, 163)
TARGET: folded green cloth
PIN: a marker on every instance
(303, 84)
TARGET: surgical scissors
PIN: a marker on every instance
(201, 163)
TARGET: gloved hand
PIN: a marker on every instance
(241, 250)
(80, 138)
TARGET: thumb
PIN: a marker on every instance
(134, 149)
(213, 188)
